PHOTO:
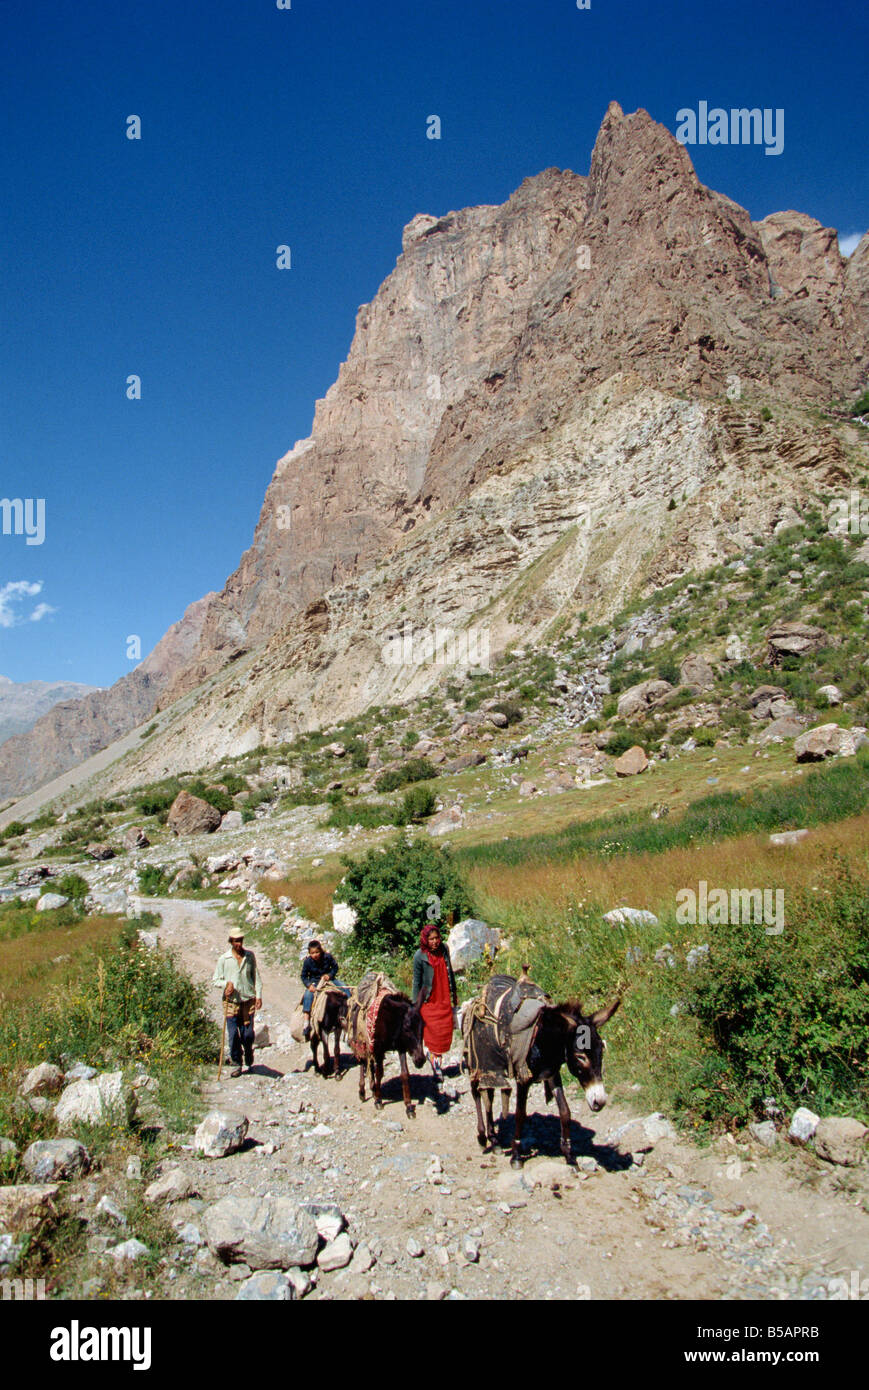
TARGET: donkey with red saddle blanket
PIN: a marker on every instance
(513, 1032)
(379, 1020)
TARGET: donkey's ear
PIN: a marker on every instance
(604, 1015)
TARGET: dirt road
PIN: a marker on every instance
(678, 1221)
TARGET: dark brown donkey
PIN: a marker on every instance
(329, 1024)
(398, 1028)
(564, 1036)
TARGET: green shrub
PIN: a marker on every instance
(788, 1014)
(415, 770)
(511, 709)
(155, 800)
(72, 886)
(220, 800)
(392, 892)
(704, 738)
(417, 803)
(13, 830)
(153, 881)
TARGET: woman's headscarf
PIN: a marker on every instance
(423, 940)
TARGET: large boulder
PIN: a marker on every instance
(100, 851)
(789, 726)
(841, 1140)
(135, 838)
(696, 672)
(631, 762)
(54, 1160)
(108, 1097)
(50, 902)
(25, 1206)
(42, 1080)
(827, 741)
(794, 639)
(639, 698)
(450, 818)
(468, 940)
(233, 820)
(262, 1232)
(221, 1133)
(466, 760)
(190, 815)
(173, 1186)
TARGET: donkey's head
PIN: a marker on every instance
(411, 1035)
(584, 1049)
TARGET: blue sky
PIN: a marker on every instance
(307, 127)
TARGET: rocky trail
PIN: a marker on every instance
(644, 1214)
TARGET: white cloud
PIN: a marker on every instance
(848, 244)
(12, 594)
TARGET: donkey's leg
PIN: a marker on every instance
(363, 1067)
(505, 1114)
(564, 1116)
(481, 1129)
(521, 1104)
(336, 1042)
(488, 1094)
(327, 1059)
(314, 1053)
(405, 1085)
(377, 1079)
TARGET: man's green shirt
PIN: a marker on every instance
(242, 974)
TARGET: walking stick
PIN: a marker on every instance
(222, 1042)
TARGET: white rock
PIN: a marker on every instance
(10, 1252)
(337, 1254)
(468, 940)
(50, 901)
(173, 1186)
(51, 1160)
(344, 918)
(267, 1285)
(635, 916)
(803, 1125)
(221, 1133)
(108, 1097)
(129, 1250)
(41, 1080)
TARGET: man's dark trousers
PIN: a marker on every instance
(239, 1030)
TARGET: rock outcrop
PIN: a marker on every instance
(529, 389)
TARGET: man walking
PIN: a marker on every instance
(237, 974)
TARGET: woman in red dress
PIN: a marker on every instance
(435, 986)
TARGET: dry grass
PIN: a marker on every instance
(32, 963)
(652, 880)
(313, 896)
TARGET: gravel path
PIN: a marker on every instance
(437, 1219)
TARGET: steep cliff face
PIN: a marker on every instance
(581, 337)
